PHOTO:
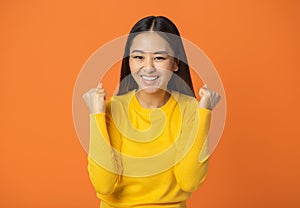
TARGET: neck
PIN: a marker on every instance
(152, 100)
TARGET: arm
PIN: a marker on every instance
(190, 172)
(103, 167)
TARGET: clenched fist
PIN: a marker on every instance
(209, 99)
(95, 99)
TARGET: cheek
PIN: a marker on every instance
(166, 74)
(168, 65)
(133, 65)
(133, 69)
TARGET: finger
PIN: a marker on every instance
(215, 99)
(92, 91)
(98, 91)
(87, 94)
(99, 86)
(204, 92)
(84, 96)
(101, 94)
(201, 92)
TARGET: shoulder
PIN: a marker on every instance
(119, 100)
(188, 105)
(184, 99)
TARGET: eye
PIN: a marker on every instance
(160, 58)
(138, 57)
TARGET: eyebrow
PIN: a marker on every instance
(156, 52)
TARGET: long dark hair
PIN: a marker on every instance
(168, 30)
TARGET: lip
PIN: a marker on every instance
(149, 80)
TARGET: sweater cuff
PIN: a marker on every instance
(205, 110)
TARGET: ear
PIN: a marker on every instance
(175, 65)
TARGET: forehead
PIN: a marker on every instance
(150, 42)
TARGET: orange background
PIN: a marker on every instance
(253, 44)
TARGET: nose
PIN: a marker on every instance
(148, 65)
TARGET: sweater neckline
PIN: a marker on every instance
(136, 104)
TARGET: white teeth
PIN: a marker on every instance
(149, 78)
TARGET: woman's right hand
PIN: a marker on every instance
(95, 99)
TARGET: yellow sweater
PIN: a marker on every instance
(142, 157)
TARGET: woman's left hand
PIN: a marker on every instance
(209, 99)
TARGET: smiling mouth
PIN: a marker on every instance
(149, 78)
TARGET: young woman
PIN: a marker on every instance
(145, 142)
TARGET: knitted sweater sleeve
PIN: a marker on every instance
(103, 168)
(190, 172)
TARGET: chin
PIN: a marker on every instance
(152, 90)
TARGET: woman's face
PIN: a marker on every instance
(151, 61)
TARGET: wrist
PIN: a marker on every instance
(97, 111)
